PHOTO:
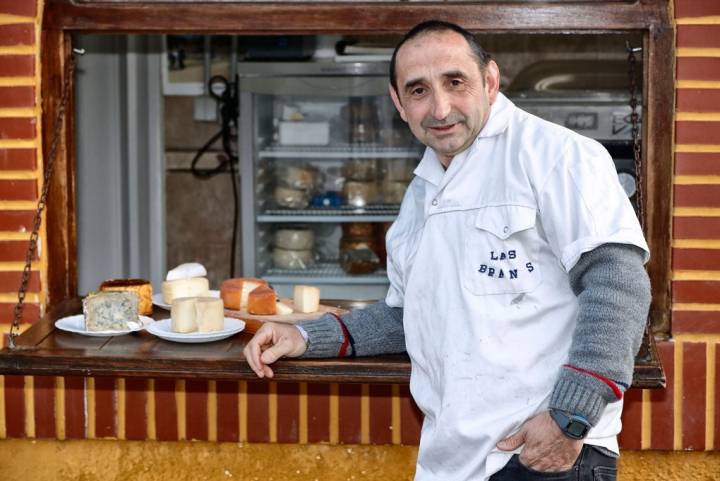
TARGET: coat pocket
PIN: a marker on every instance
(500, 250)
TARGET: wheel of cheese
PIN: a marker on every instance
(299, 177)
(360, 194)
(210, 315)
(295, 239)
(193, 287)
(262, 301)
(234, 292)
(291, 198)
(292, 259)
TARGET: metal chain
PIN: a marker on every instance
(635, 121)
(37, 220)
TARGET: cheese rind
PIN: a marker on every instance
(141, 287)
(234, 292)
(262, 301)
(209, 314)
(183, 315)
(306, 298)
(193, 287)
(110, 311)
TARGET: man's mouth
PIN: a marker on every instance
(442, 128)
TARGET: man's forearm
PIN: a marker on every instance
(377, 329)
(613, 293)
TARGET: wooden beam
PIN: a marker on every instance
(658, 107)
(224, 16)
(61, 208)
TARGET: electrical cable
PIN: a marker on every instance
(227, 99)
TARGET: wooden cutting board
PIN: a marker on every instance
(254, 321)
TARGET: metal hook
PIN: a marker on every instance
(632, 49)
(79, 51)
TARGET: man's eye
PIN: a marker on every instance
(418, 91)
(456, 82)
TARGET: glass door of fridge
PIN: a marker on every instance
(325, 162)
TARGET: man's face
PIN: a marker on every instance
(442, 94)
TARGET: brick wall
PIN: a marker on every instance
(20, 157)
(683, 416)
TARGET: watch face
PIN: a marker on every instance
(628, 183)
(576, 429)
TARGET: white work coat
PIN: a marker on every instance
(479, 259)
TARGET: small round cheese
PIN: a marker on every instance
(182, 315)
(360, 194)
(234, 292)
(290, 198)
(193, 287)
(295, 239)
(210, 314)
(292, 259)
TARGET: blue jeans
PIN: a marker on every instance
(592, 465)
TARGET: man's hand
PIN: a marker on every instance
(546, 449)
(271, 342)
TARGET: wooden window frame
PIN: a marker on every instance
(650, 17)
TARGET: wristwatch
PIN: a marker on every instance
(572, 425)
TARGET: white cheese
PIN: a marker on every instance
(306, 298)
(186, 271)
(209, 314)
(183, 315)
(194, 287)
(283, 309)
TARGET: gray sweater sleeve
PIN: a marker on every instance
(376, 329)
(613, 292)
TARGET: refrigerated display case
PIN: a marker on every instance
(324, 163)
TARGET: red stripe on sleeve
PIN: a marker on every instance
(615, 389)
(346, 336)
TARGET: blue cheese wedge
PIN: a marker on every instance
(110, 311)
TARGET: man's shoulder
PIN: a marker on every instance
(546, 135)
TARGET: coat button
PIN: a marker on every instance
(434, 202)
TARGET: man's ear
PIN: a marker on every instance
(492, 80)
(396, 101)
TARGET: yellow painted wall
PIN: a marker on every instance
(156, 461)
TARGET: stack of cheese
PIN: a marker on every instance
(186, 280)
(201, 314)
(187, 290)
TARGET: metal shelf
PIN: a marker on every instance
(323, 273)
(338, 151)
(346, 213)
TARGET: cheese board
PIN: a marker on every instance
(293, 318)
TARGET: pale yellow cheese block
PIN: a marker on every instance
(210, 314)
(183, 315)
(192, 287)
(306, 298)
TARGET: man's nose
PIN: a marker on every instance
(441, 105)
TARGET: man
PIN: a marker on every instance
(516, 280)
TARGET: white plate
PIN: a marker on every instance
(76, 324)
(162, 330)
(158, 299)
